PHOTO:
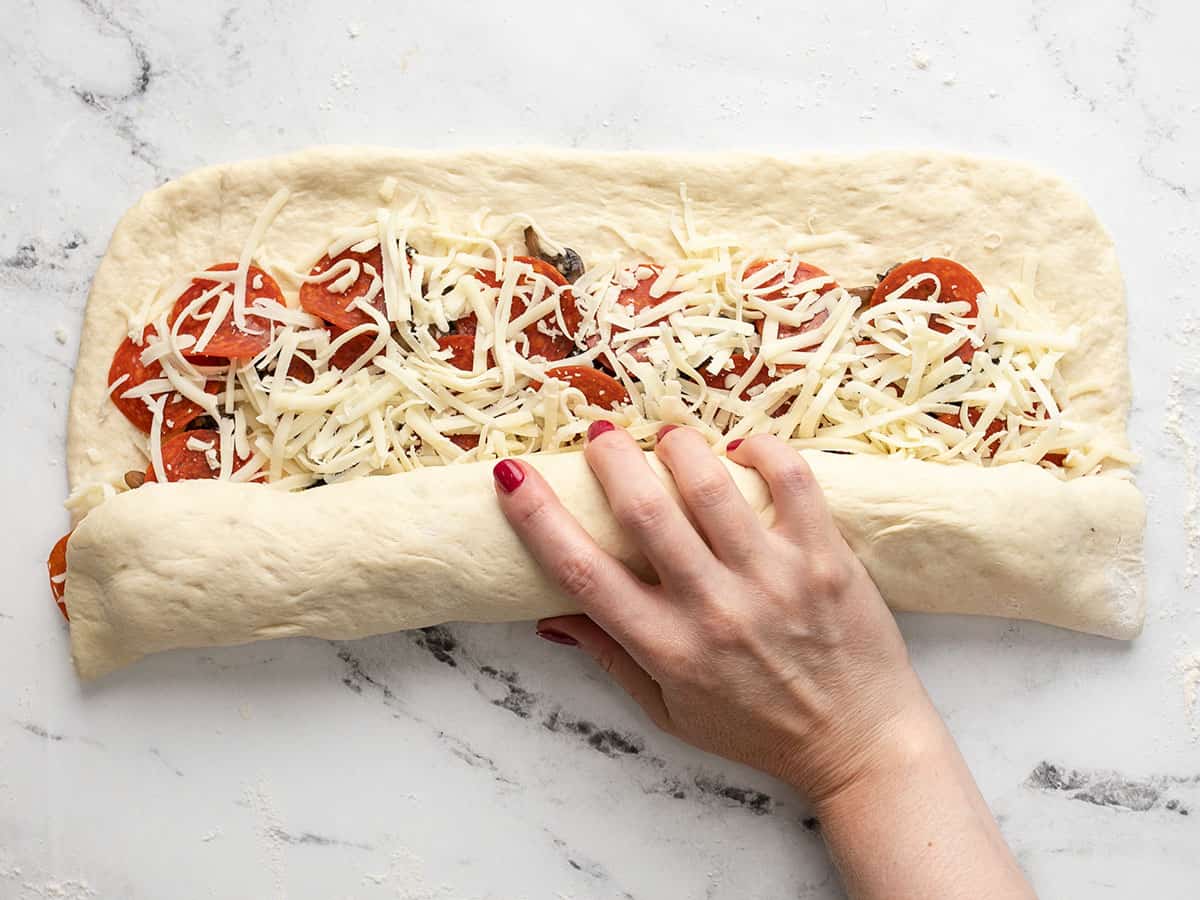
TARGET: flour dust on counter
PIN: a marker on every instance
(1181, 413)
(1187, 673)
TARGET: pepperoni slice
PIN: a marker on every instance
(958, 284)
(634, 300)
(462, 350)
(229, 341)
(637, 298)
(319, 299)
(300, 369)
(599, 389)
(1055, 459)
(996, 426)
(350, 352)
(777, 289)
(724, 381)
(127, 361)
(346, 356)
(56, 566)
(465, 441)
(182, 463)
(989, 433)
(550, 347)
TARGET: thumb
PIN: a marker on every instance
(612, 658)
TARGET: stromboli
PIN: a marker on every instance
(876, 242)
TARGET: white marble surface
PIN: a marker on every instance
(474, 761)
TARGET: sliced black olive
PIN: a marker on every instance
(201, 423)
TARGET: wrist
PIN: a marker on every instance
(911, 822)
(911, 747)
(890, 731)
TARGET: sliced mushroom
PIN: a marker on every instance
(569, 263)
(134, 479)
(862, 293)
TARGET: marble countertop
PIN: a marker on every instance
(477, 761)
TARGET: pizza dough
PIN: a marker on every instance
(203, 563)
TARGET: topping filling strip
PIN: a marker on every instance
(407, 342)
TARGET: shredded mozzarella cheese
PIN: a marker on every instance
(725, 352)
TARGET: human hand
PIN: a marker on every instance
(769, 645)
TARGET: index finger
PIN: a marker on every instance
(604, 588)
(646, 511)
(800, 509)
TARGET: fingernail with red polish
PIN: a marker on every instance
(599, 427)
(665, 430)
(733, 445)
(557, 637)
(508, 475)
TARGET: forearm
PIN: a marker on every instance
(917, 827)
(771, 646)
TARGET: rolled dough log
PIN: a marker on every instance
(207, 563)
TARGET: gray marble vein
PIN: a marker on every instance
(504, 689)
(114, 107)
(56, 737)
(1114, 790)
(307, 838)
